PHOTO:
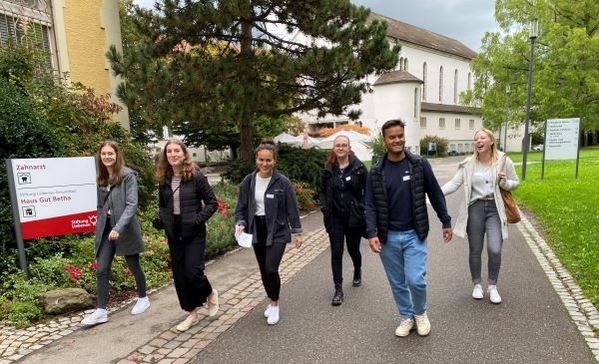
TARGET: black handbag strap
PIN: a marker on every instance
(172, 196)
(106, 197)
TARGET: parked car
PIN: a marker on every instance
(537, 147)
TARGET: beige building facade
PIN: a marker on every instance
(75, 36)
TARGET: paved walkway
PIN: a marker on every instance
(544, 316)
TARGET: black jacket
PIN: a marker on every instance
(423, 182)
(194, 213)
(355, 185)
(280, 205)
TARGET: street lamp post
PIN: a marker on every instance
(533, 36)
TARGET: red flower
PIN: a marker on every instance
(154, 246)
(311, 203)
(95, 265)
(165, 241)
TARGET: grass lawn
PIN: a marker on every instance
(568, 211)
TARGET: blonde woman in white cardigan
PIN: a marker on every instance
(482, 210)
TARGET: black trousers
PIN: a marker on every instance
(269, 259)
(339, 234)
(187, 261)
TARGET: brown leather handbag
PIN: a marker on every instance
(511, 209)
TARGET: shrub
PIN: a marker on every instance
(442, 144)
(305, 195)
(236, 171)
(378, 148)
(305, 165)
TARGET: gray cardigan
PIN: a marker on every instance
(122, 203)
(280, 206)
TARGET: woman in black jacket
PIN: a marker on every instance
(266, 207)
(342, 205)
(182, 190)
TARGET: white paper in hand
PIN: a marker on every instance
(243, 239)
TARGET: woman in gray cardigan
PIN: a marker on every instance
(117, 229)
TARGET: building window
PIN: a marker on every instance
(460, 148)
(422, 123)
(471, 124)
(441, 123)
(401, 63)
(28, 32)
(405, 64)
(441, 84)
(424, 81)
(458, 123)
(452, 147)
(469, 81)
(455, 87)
(416, 105)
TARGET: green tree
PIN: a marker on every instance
(208, 63)
(565, 68)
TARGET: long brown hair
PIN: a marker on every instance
(103, 177)
(267, 144)
(494, 154)
(164, 170)
(332, 158)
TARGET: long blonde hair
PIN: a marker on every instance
(103, 177)
(494, 153)
(164, 170)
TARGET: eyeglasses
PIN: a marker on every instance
(340, 146)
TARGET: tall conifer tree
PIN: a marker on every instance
(217, 63)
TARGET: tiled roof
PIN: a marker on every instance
(412, 34)
(396, 77)
(455, 109)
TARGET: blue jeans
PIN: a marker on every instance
(404, 260)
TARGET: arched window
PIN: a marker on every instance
(405, 64)
(441, 84)
(401, 63)
(424, 81)
(455, 87)
(416, 105)
(469, 80)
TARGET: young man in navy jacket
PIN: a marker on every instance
(397, 224)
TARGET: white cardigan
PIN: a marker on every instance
(464, 177)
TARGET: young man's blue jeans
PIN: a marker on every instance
(404, 259)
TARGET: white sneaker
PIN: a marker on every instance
(99, 316)
(423, 325)
(494, 294)
(404, 328)
(477, 292)
(142, 304)
(267, 311)
(212, 303)
(273, 316)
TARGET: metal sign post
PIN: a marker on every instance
(16, 219)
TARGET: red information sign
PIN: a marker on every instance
(55, 196)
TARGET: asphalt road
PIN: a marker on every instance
(530, 326)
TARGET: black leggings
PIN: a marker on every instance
(269, 259)
(339, 234)
(105, 257)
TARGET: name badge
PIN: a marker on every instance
(406, 178)
(270, 195)
(348, 178)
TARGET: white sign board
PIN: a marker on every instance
(562, 139)
(55, 196)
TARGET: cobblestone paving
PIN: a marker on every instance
(174, 347)
(584, 315)
(177, 348)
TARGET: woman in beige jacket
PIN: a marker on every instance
(482, 210)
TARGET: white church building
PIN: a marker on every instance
(424, 90)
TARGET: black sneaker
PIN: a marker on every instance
(337, 297)
(357, 282)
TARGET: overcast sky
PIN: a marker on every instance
(464, 20)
